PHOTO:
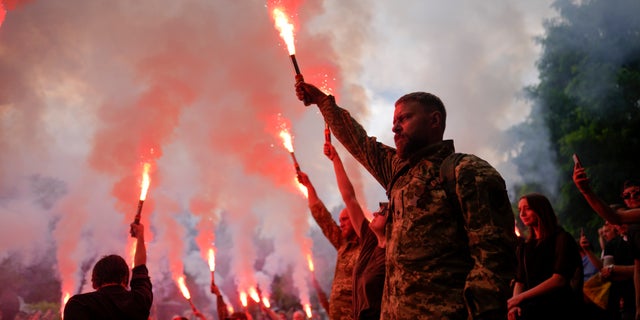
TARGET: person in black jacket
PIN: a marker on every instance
(110, 277)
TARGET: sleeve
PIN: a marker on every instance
(141, 287)
(329, 227)
(222, 308)
(489, 224)
(376, 157)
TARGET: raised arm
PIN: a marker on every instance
(376, 157)
(329, 227)
(598, 205)
(140, 256)
(356, 214)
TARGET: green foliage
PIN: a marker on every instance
(588, 99)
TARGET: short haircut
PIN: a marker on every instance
(428, 100)
(110, 269)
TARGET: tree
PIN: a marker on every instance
(587, 102)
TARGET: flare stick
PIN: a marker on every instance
(295, 162)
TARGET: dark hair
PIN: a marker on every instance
(547, 220)
(428, 100)
(110, 269)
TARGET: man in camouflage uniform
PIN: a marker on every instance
(344, 239)
(442, 262)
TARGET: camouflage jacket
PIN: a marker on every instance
(441, 264)
(341, 297)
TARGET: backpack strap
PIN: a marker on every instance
(448, 177)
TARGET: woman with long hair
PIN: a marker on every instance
(548, 261)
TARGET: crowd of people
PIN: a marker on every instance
(441, 246)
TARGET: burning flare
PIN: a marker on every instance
(65, 297)
(253, 293)
(212, 260)
(285, 28)
(310, 261)
(266, 302)
(145, 181)
(183, 288)
(287, 140)
(307, 310)
(243, 298)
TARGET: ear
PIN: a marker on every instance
(435, 120)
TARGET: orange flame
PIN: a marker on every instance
(253, 293)
(307, 310)
(183, 288)
(266, 302)
(286, 29)
(310, 261)
(230, 309)
(287, 140)
(145, 181)
(65, 297)
(212, 260)
(517, 231)
(243, 298)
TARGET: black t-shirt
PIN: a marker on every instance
(537, 262)
(368, 276)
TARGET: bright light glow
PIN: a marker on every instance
(517, 231)
(287, 139)
(212, 260)
(285, 28)
(243, 298)
(253, 293)
(266, 302)
(302, 188)
(183, 288)
(65, 297)
(310, 261)
(145, 181)
(230, 309)
(307, 309)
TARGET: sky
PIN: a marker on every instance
(92, 90)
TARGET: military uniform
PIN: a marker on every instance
(441, 263)
(341, 298)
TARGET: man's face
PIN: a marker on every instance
(345, 224)
(609, 232)
(412, 125)
(631, 197)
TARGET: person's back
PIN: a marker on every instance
(432, 245)
(111, 300)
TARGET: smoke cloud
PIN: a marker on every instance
(91, 90)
